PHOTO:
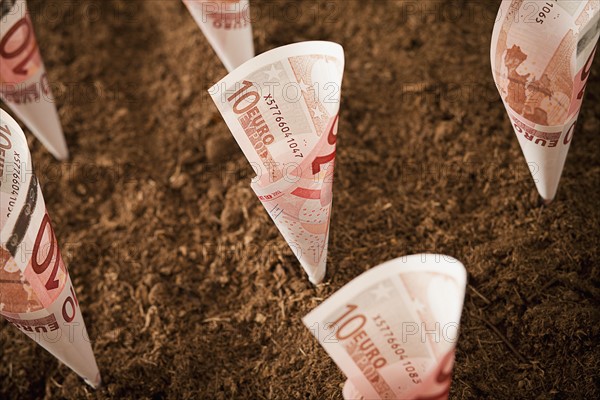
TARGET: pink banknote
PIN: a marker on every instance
(36, 293)
(393, 330)
(541, 55)
(282, 108)
(227, 26)
(24, 84)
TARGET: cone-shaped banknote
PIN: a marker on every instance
(227, 27)
(541, 55)
(393, 329)
(36, 293)
(282, 108)
(24, 85)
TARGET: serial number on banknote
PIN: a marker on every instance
(283, 126)
(394, 343)
(16, 184)
(542, 13)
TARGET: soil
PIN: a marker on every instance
(186, 286)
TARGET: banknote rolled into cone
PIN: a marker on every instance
(393, 330)
(227, 26)
(541, 66)
(36, 292)
(24, 85)
(282, 108)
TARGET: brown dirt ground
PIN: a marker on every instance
(186, 286)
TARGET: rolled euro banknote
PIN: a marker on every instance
(36, 293)
(24, 84)
(227, 26)
(541, 56)
(282, 108)
(392, 330)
